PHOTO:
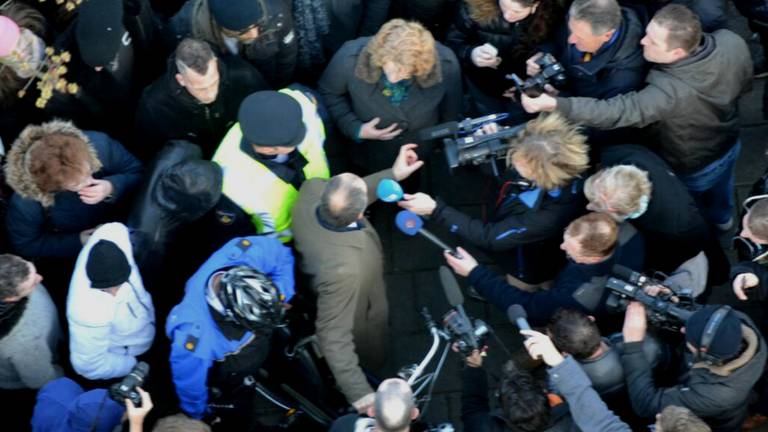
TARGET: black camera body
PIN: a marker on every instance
(662, 311)
(552, 72)
(126, 388)
(467, 335)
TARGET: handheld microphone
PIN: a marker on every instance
(389, 191)
(411, 224)
(517, 316)
(450, 287)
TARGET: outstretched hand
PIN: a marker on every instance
(407, 162)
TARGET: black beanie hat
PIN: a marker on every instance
(271, 119)
(236, 15)
(727, 339)
(107, 265)
(99, 31)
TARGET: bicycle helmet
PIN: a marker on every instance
(251, 299)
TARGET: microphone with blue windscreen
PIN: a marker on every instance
(389, 191)
(411, 224)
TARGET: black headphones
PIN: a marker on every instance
(710, 330)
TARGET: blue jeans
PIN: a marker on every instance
(712, 187)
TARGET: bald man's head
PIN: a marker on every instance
(344, 199)
(394, 406)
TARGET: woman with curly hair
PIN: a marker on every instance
(534, 200)
(382, 90)
(493, 38)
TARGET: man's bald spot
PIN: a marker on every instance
(338, 198)
(394, 405)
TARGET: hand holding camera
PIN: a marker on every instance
(137, 414)
(744, 281)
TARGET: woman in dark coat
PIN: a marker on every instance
(381, 91)
(493, 38)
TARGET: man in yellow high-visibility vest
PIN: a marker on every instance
(276, 145)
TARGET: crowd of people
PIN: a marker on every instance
(189, 188)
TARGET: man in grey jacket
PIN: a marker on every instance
(689, 102)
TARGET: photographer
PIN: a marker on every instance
(594, 243)
(599, 49)
(693, 120)
(752, 273)
(63, 406)
(524, 406)
(536, 198)
(589, 412)
(728, 357)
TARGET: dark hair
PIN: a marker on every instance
(342, 201)
(523, 402)
(573, 332)
(683, 25)
(193, 54)
(602, 15)
(13, 271)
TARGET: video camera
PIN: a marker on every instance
(126, 388)
(463, 147)
(666, 310)
(552, 72)
(468, 335)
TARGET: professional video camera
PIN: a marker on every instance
(126, 388)
(552, 72)
(666, 310)
(468, 335)
(463, 147)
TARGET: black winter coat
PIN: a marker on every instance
(522, 227)
(673, 227)
(617, 67)
(273, 53)
(167, 111)
(350, 19)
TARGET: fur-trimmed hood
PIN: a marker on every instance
(16, 167)
(483, 11)
(370, 73)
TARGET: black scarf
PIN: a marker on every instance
(10, 314)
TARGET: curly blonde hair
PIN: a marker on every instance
(405, 43)
(554, 151)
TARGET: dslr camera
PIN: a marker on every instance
(552, 72)
(126, 388)
(666, 310)
(466, 334)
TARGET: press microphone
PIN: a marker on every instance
(450, 287)
(517, 316)
(389, 191)
(411, 224)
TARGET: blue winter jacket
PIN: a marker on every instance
(197, 340)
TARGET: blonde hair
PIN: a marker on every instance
(622, 187)
(553, 149)
(405, 43)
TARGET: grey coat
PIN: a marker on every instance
(28, 351)
(690, 104)
(347, 272)
(353, 101)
